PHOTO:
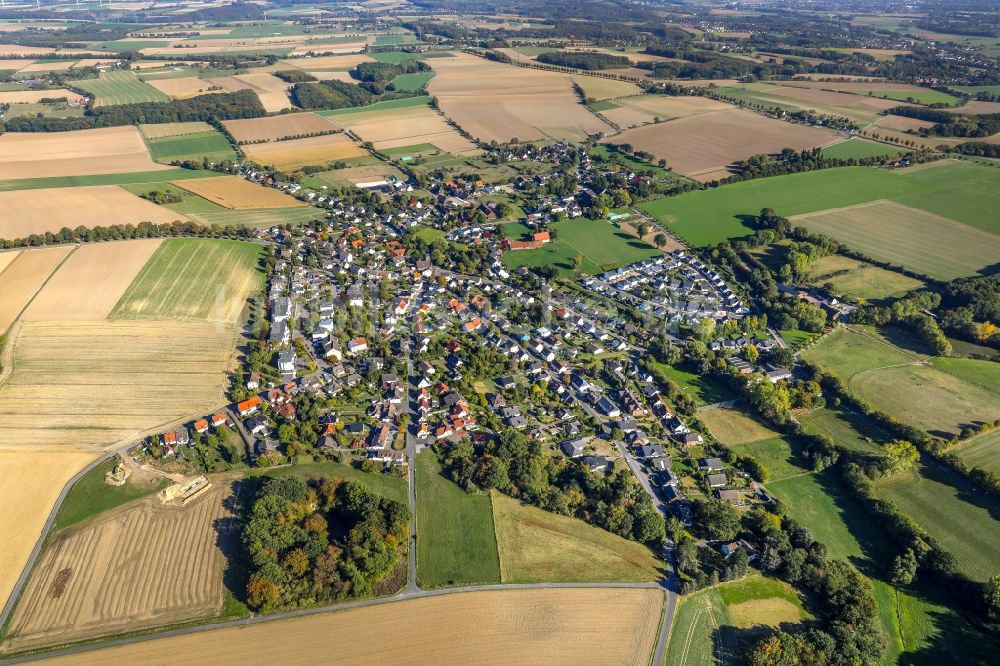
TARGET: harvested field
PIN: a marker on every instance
(398, 127)
(272, 91)
(24, 276)
(32, 96)
(276, 128)
(297, 153)
(7, 50)
(902, 123)
(184, 86)
(163, 130)
(699, 146)
(26, 212)
(341, 62)
(495, 101)
(600, 88)
(908, 237)
(7, 257)
(83, 152)
(90, 281)
(139, 566)
(236, 193)
(32, 480)
(502, 627)
(91, 384)
(188, 278)
(977, 108)
(644, 109)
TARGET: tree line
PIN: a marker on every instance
(586, 60)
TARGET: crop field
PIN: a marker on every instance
(297, 153)
(538, 546)
(167, 568)
(903, 385)
(921, 241)
(27, 212)
(276, 128)
(234, 192)
(962, 519)
(84, 288)
(858, 279)
(161, 175)
(412, 82)
(491, 100)
(704, 631)
(90, 384)
(982, 451)
(733, 427)
(32, 96)
(849, 429)
(211, 145)
(272, 91)
(24, 276)
(797, 96)
(400, 126)
(458, 544)
(643, 109)
(977, 108)
(120, 87)
(209, 280)
(859, 148)
(601, 245)
(502, 626)
(180, 87)
(163, 130)
(598, 88)
(335, 62)
(84, 152)
(959, 191)
(263, 217)
(32, 483)
(702, 146)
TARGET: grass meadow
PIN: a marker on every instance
(457, 543)
(982, 451)
(859, 279)
(858, 149)
(851, 430)
(209, 145)
(704, 390)
(134, 178)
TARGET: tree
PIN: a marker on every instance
(899, 456)
(576, 262)
(751, 354)
(642, 229)
(660, 239)
(991, 595)
(904, 568)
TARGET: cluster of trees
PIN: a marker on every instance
(520, 468)
(330, 95)
(909, 311)
(587, 60)
(970, 309)
(320, 542)
(210, 107)
(294, 76)
(83, 234)
(950, 124)
(162, 197)
(383, 72)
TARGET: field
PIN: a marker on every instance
(958, 191)
(234, 192)
(32, 482)
(598, 88)
(702, 389)
(848, 429)
(31, 96)
(924, 395)
(601, 245)
(24, 276)
(412, 82)
(642, 109)
(797, 96)
(90, 384)
(161, 175)
(83, 152)
(27, 212)
(979, 372)
(921, 241)
(83, 288)
(167, 569)
(504, 626)
(746, 436)
(163, 130)
(297, 153)
(710, 626)
(858, 149)
(962, 519)
(120, 87)
(183, 86)
(275, 128)
(858, 279)
(702, 146)
(264, 217)
(457, 544)
(271, 90)
(538, 546)
(365, 173)
(201, 279)
(491, 100)
(211, 145)
(398, 126)
(732, 427)
(982, 451)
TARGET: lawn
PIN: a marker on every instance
(412, 82)
(704, 390)
(860, 280)
(956, 190)
(91, 495)
(848, 429)
(719, 625)
(457, 543)
(859, 148)
(120, 87)
(392, 487)
(208, 145)
(195, 278)
(537, 546)
(427, 234)
(601, 246)
(960, 518)
(982, 451)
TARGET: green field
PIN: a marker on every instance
(396, 57)
(265, 217)
(601, 246)
(162, 176)
(703, 390)
(191, 203)
(605, 105)
(848, 429)
(779, 456)
(923, 96)
(403, 103)
(719, 625)
(953, 189)
(859, 148)
(120, 87)
(194, 278)
(537, 547)
(392, 487)
(962, 519)
(91, 495)
(985, 374)
(412, 82)
(982, 451)
(860, 280)
(209, 145)
(733, 427)
(456, 542)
